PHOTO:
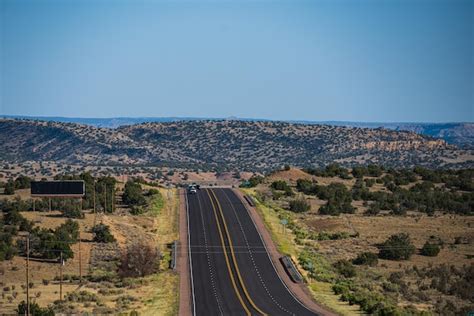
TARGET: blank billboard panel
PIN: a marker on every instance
(58, 188)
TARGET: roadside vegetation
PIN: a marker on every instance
(125, 247)
(385, 241)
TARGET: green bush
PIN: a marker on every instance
(48, 244)
(345, 268)
(397, 247)
(306, 186)
(281, 185)
(102, 233)
(68, 231)
(252, 182)
(373, 209)
(35, 309)
(7, 251)
(73, 212)
(430, 249)
(9, 188)
(22, 182)
(132, 194)
(366, 258)
(299, 205)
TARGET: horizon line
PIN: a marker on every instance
(184, 118)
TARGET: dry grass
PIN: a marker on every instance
(374, 230)
(152, 295)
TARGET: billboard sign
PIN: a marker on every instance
(72, 188)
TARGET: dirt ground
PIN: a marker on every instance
(375, 230)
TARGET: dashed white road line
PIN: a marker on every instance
(209, 264)
(253, 261)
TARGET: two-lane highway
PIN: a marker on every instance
(232, 273)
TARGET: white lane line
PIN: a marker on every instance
(269, 258)
(253, 260)
(189, 255)
(209, 264)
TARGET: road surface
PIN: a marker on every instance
(231, 271)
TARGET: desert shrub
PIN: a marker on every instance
(22, 182)
(152, 192)
(137, 210)
(331, 170)
(35, 309)
(139, 259)
(306, 186)
(366, 258)
(281, 185)
(82, 296)
(345, 268)
(299, 205)
(9, 188)
(374, 170)
(359, 171)
(47, 244)
(102, 233)
(7, 250)
(335, 208)
(430, 249)
(73, 212)
(329, 236)
(369, 182)
(359, 190)
(397, 247)
(68, 231)
(252, 182)
(372, 210)
(132, 194)
(338, 199)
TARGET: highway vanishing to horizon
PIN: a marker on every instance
(232, 273)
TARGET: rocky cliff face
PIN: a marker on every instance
(228, 144)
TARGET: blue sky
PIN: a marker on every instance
(359, 60)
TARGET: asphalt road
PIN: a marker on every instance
(232, 274)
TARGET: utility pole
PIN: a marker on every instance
(105, 198)
(113, 199)
(94, 196)
(61, 277)
(28, 274)
(80, 258)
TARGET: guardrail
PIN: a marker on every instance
(174, 251)
(249, 200)
(291, 269)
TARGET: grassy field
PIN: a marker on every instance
(164, 296)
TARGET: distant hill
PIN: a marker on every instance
(460, 134)
(226, 144)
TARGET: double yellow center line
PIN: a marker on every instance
(231, 247)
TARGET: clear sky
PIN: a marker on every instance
(358, 60)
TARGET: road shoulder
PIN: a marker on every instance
(182, 266)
